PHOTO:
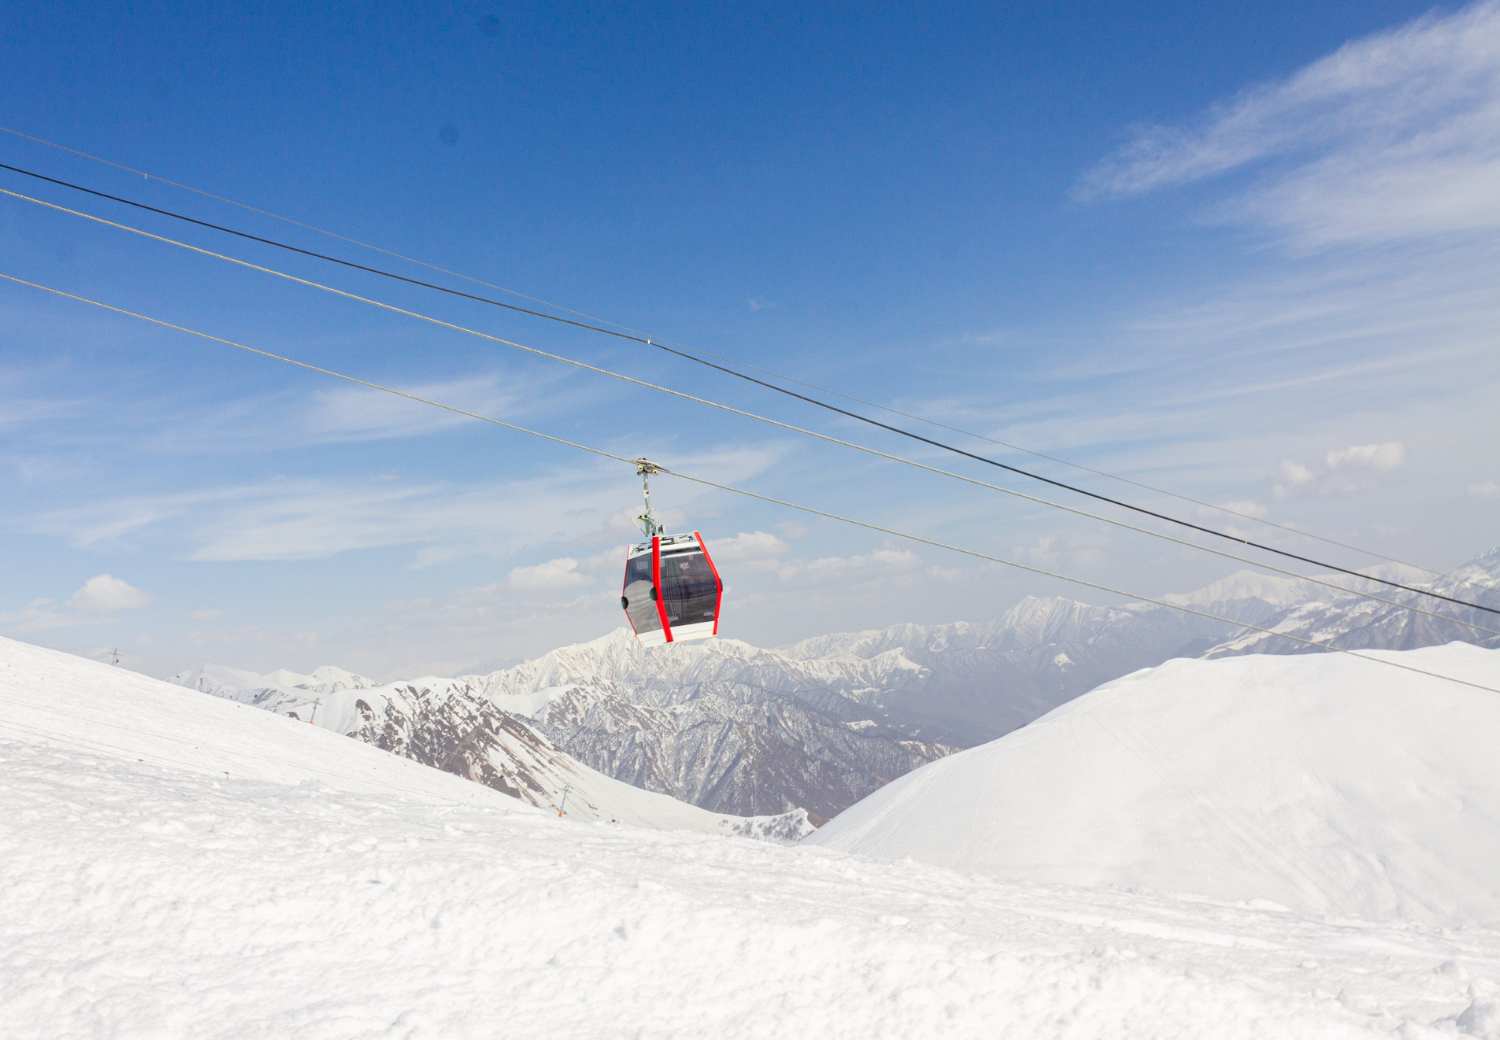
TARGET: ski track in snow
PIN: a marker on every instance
(196, 868)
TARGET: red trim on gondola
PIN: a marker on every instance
(661, 598)
(719, 601)
(625, 584)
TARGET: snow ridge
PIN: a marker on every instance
(1322, 783)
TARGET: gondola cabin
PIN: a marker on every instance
(672, 590)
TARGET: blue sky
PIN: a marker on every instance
(1244, 254)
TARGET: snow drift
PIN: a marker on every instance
(1322, 783)
(175, 865)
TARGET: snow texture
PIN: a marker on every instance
(198, 868)
(1322, 783)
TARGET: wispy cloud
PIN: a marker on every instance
(37, 615)
(1071, 552)
(439, 521)
(886, 566)
(1391, 136)
(17, 411)
(341, 414)
(350, 413)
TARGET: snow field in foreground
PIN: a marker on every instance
(334, 891)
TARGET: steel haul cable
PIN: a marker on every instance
(767, 384)
(304, 225)
(730, 409)
(639, 336)
(743, 492)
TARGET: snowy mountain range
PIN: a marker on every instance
(818, 725)
(448, 724)
(1355, 624)
(721, 725)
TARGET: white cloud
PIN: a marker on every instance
(106, 594)
(1395, 135)
(101, 594)
(561, 573)
(752, 546)
(1485, 489)
(1381, 457)
(1345, 470)
(1295, 474)
(207, 614)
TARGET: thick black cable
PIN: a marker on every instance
(351, 264)
(710, 403)
(418, 262)
(731, 489)
(747, 377)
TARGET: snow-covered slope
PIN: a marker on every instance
(1323, 783)
(445, 723)
(197, 868)
(73, 704)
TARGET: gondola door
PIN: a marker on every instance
(639, 596)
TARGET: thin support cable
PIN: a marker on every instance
(700, 359)
(294, 222)
(865, 449)
(745, 492)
